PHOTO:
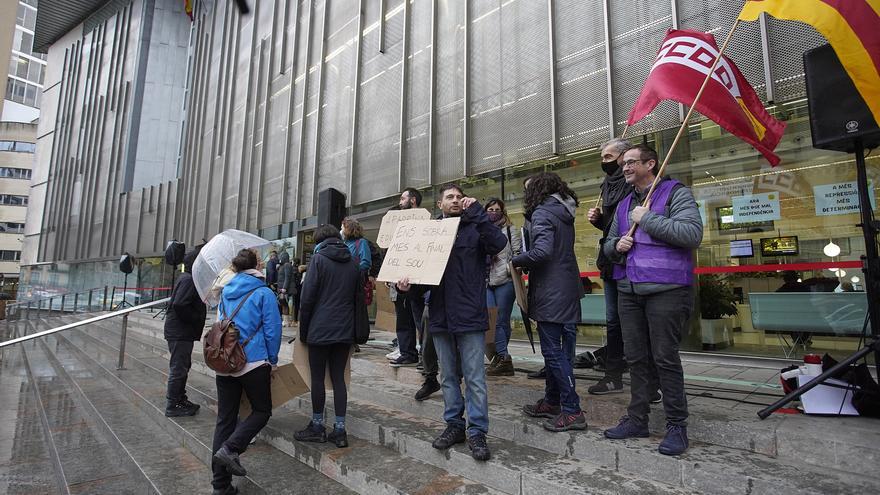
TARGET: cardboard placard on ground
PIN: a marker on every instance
(286, 384)
(386, 318)
(301, 361)
(392, 218)
(419, 250)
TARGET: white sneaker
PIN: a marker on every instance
(393, 355)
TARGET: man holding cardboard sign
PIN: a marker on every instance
(458, 318)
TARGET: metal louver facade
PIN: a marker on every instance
(369, 96)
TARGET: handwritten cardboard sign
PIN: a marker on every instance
(392, 218)
(419, 250)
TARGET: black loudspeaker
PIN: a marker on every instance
(838, 113)
(174, 252)
(126, 263)
(331, 207)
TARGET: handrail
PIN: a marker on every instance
(106, 316)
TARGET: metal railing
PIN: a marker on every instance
(121, 312)
(105, 298)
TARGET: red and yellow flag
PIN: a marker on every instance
(852, 27)
(188, 8)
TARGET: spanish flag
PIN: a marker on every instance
(852, 27)
(188, 8)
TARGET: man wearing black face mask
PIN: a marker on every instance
(614, 188)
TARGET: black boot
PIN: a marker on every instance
(314, 432)
(230, 460)
(181, 409)
(338, 437)
(430, 386)
(479, 447)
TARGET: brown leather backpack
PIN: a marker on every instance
(223, 352)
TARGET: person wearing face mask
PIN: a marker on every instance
(614, 188)
(500, 293)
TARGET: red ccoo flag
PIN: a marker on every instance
(682, 64)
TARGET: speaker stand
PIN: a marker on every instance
(164, 310)
(124, 302)
(871, 270)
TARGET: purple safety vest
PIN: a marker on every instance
(652, 260)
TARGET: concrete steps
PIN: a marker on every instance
(98, 441)
(405, 440)
(361, 468)
(732, 452)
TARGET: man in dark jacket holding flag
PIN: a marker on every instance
(184, 322)
(458, 319)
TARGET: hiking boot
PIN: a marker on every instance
(229, 490)
(230, 461)
(430, 386)
(676, 440)
(538, 375)
(607, 385)
(338, 437)
(479, 447)
(181, 409)
(657, 397)
(450, 436)
(565, 422)
(314, 432)
(503, 367)
(627, 428)
(542, 409)
(402, 362)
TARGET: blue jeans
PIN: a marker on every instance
(559, 383)
(502, 297)
(466, 349)
(569, 341)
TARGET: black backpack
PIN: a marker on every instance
(376, 258)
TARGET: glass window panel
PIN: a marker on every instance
(30, 96)
(7, 145)
(34, 72)
(30, 19)
(18, 91)
(21, 70)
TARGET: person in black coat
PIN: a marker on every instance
(272, 269)
(327, 307)
(458, 319)
(287, 284)
(184, 323)
(555, 292)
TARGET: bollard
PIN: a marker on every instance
(104, 301)
(121, 365)
(63, 302)
(89, 307)
(75, 302)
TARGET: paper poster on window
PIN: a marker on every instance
(840, 198)
(756, 208)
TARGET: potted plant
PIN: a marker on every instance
(717, 304)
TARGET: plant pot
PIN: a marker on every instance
(716, 333)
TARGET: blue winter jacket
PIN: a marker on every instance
(458, 304)
(360, 251)
(259, 314)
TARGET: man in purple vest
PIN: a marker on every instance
(654, 274)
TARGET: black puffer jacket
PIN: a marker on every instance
(555, 288)
(327, 303)
(185, 319)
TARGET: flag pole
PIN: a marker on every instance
(622, 136)
(684, 124)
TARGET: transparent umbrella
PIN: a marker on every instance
(211, 269)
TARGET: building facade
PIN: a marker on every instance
(23, 85)
(16, 159)
(256, 114)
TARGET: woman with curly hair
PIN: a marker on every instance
(554, 294)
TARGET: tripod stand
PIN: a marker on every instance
(871, 269)
(124, 302)
(162, 312)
